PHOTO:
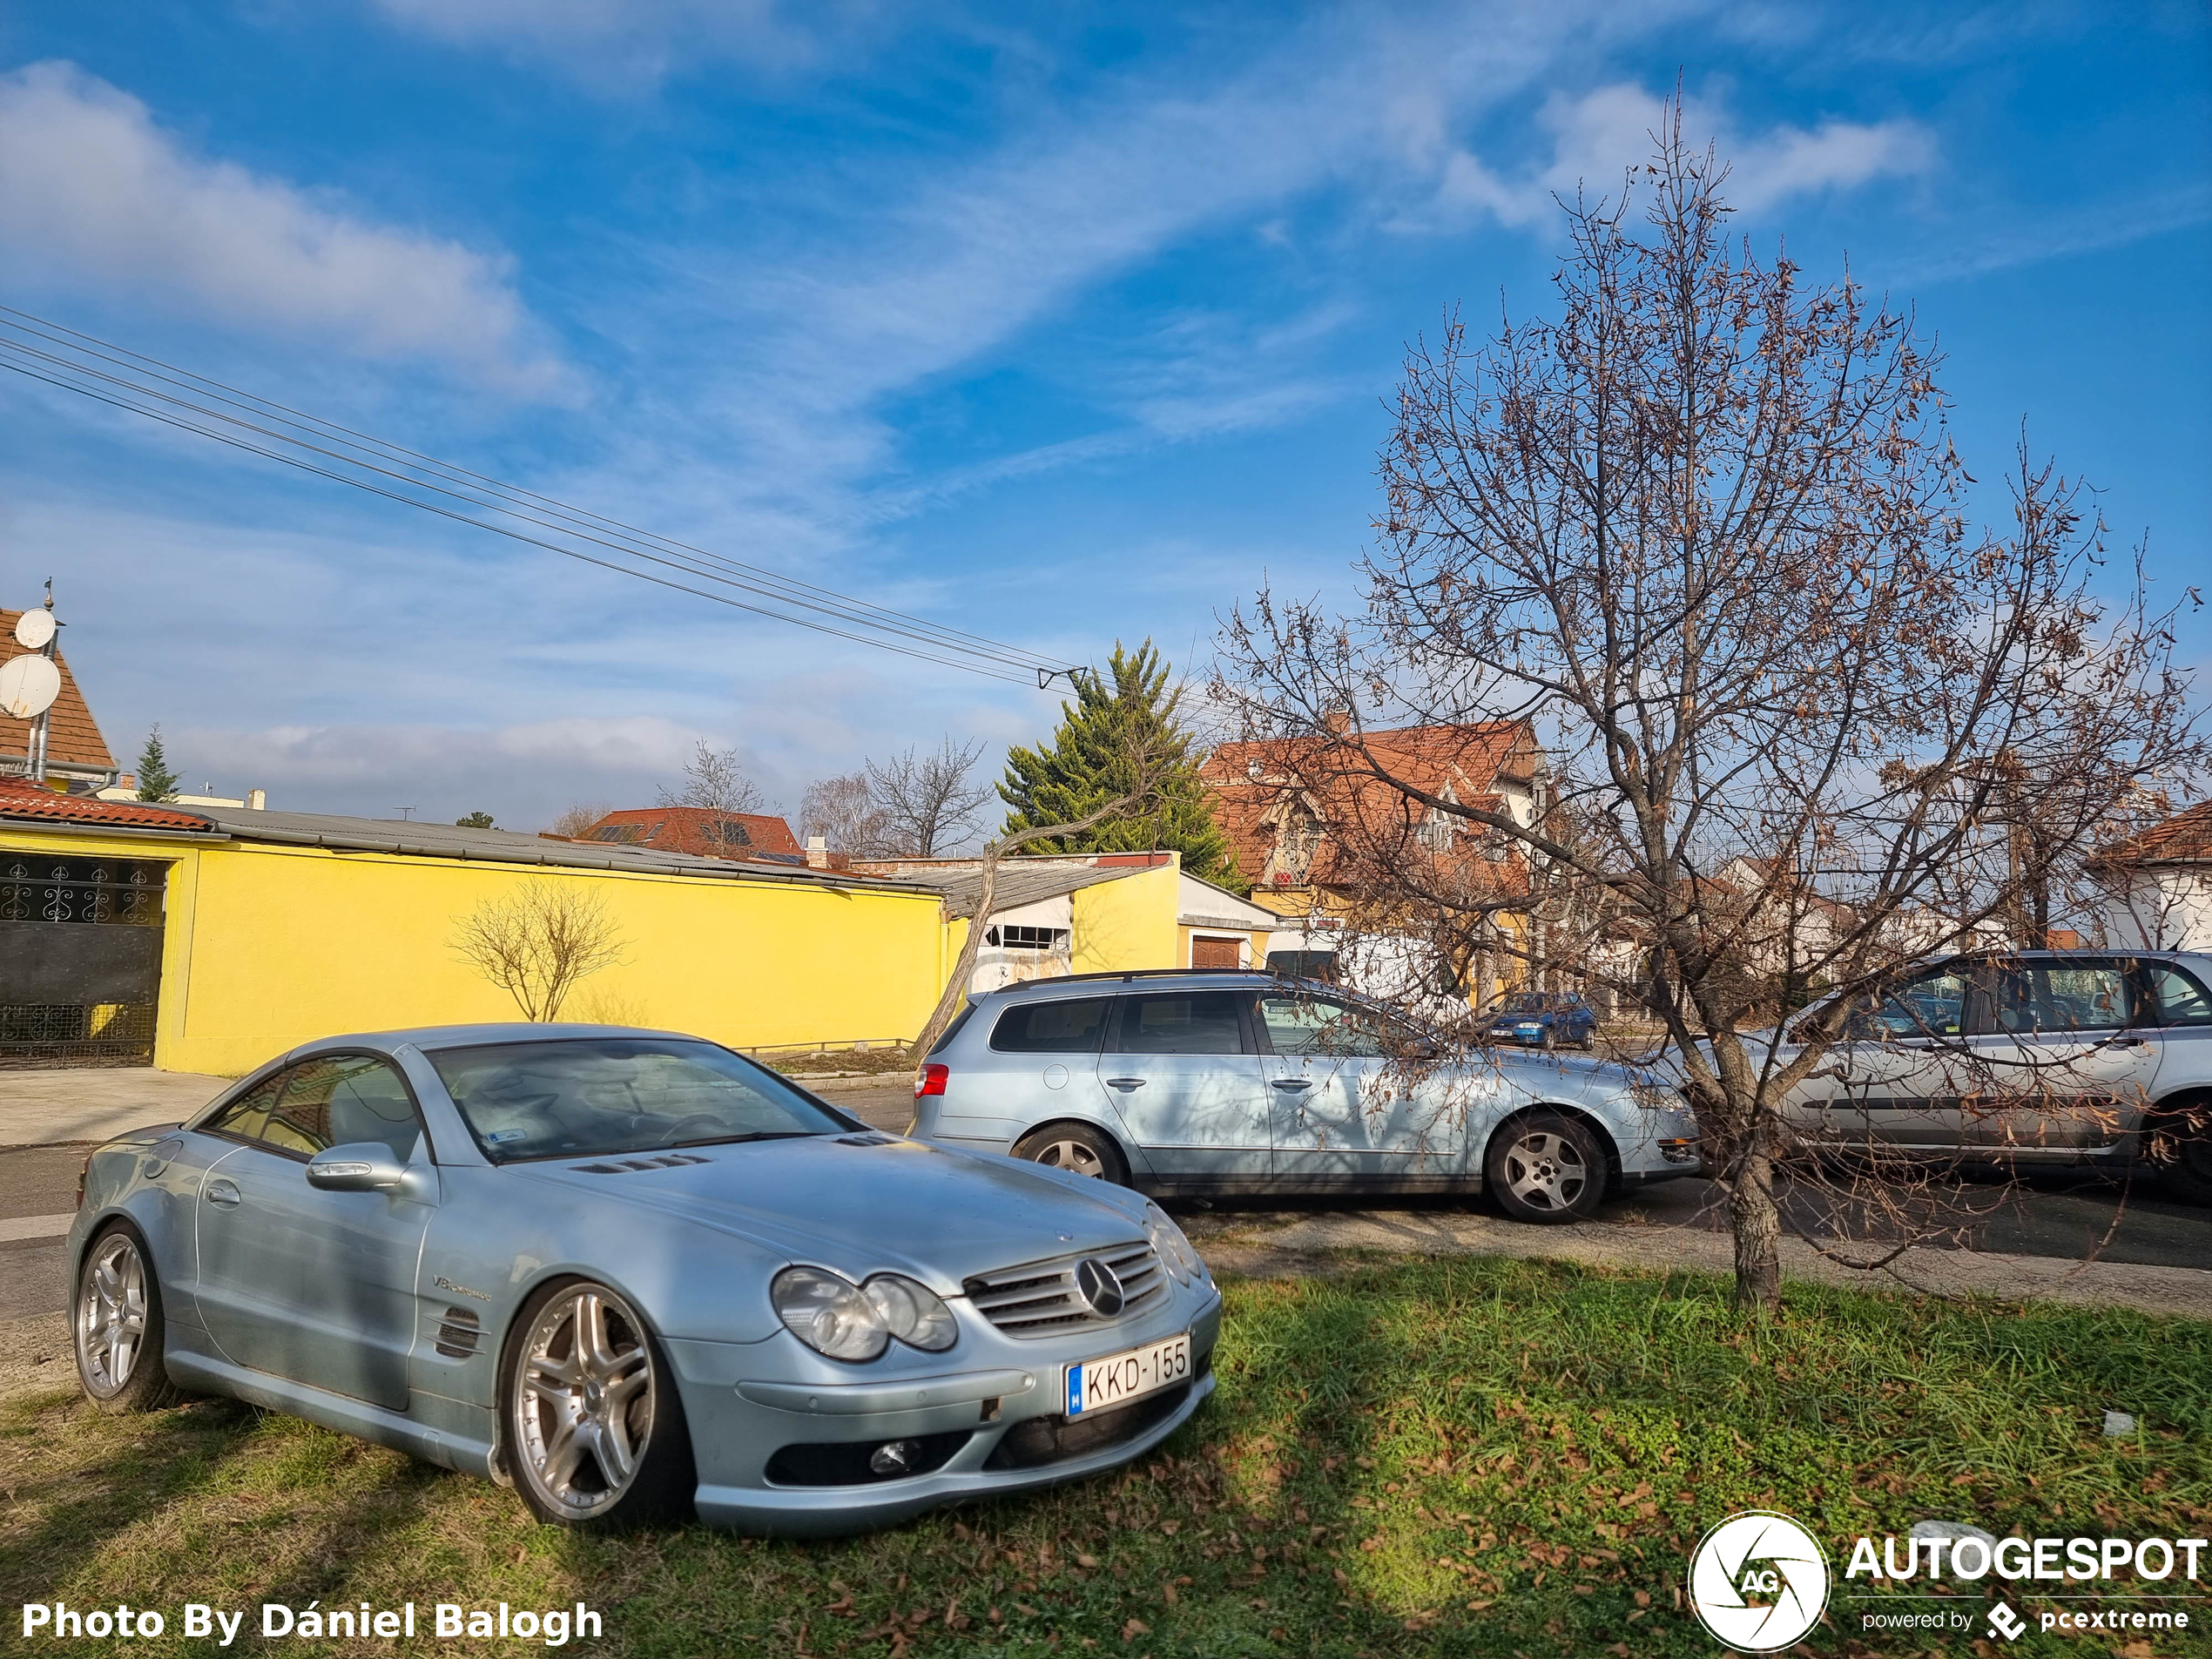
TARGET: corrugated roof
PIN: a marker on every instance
(72, 735)
(1017, 884)
(500, 846)
(20, 797)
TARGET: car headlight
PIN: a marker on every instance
(1169, 1244)
(912, 1312)
(835, 1317)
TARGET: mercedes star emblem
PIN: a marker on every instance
(1095, 1283)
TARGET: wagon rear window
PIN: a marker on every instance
(595, 1096)
(1072, 1027)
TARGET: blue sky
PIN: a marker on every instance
(1057, 324)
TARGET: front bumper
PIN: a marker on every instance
(994, 1403)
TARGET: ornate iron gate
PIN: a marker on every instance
(80, 958)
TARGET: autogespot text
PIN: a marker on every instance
(280, 1621)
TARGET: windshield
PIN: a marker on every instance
(591, 1096)
(1527, 1002)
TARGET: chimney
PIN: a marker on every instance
(256, 800)
(817, 852)
(1336, 722)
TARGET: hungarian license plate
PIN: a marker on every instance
(1098, 1385)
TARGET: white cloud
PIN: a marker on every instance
(1596, 138)
(626, 44)
(93, 191)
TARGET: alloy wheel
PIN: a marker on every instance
(584, 1396)
(111, 1314)
(1546, 1171)
(1072, 1155)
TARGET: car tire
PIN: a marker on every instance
(1546, 1168)
(1076, 1148)
(2184, 1153)
(592, 1428)
(117, 1327)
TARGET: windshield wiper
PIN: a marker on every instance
(751, 1134)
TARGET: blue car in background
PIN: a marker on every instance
(1543, 1019)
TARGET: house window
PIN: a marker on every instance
(1010, 937)
(1439, 831)
(730, 833)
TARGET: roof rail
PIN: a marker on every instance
(1147, 972)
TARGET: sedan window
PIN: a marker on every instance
(1071, 1027)
(1307, 1025)
(1188, 1023)
(243, 1118)
(566, 1097)
(2037, 997)
(2181, 999)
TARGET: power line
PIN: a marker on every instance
(352, 454)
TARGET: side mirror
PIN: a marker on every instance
(366, 1166)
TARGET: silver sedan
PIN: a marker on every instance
(632, 1274)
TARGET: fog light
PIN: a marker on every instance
(1678, 1151)
(893, 1457)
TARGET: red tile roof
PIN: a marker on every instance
(1363, 816)
(701, 832)
(20, 797)
(2186, 838)
(72, 736)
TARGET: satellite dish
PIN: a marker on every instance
(34, 628)
(28, 686)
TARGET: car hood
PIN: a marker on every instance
(863, 1204)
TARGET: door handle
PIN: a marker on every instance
(1293, 1082)
(224, 1193)
(1125, 1083)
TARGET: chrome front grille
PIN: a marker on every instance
(1039, 1299)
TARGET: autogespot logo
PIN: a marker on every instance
(1759, 1581)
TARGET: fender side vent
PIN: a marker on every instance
(459, 1332)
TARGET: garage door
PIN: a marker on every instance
(80, 958)
(1215, 952)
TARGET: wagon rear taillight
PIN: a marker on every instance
(932, 1081)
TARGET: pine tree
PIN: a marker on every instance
(1127, 710)
(156, 781)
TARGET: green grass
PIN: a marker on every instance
(1463, 1458)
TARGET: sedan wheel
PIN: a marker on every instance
(1073, 1147)
(595, 1430)
(1546, 1168)
(117, 1326)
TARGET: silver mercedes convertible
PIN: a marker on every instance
(632, 1274)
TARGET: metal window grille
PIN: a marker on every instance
(111, 891)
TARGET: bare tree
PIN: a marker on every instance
(575, 821)
(843, 811)
(1150, 769)
(928, 802)
(1706, 530)
(714, 779)
(535, 942)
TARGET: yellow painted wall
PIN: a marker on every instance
(267, 947)
(1129, 923)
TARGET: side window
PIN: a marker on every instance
(1930, 1004)
(2177, 997)
(1308, 1025)
(341, 1101)
(1186, 1022)
(1072, 1027)
(2088, 996)
(245, 1117)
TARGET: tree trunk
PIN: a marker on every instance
(1758, 1225)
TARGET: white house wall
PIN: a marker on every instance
(2162, 909)
(996, 967)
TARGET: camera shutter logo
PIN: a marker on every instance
(1759, 1581)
